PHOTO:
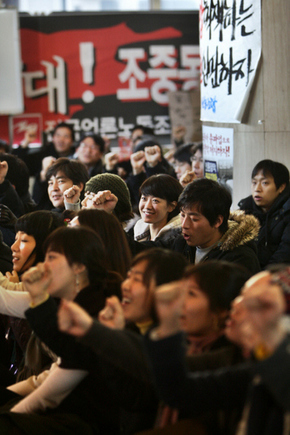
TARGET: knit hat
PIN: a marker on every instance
(118, 187)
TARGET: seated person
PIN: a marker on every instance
(197, 166)
(61, 146)
(18, 175)
(90, 151)
(182, 159)
(262, 389)
(270, 203)
(103, 191)
(62, 175)
(118, 377)
(209, 231)
(158, 208)
(205, 308)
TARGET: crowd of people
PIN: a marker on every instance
(134, 300)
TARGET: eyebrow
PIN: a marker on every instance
(58, 177)
(136, 272)
(191, 213)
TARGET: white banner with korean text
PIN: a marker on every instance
(218, 154)
(230, 49)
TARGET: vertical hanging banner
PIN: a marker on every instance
(106, 72)
(218, 154)
(230, 49)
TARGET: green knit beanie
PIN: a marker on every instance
(118, 187)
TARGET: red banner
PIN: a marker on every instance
(106, 72)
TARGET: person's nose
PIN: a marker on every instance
(148, 203)
(258, 187)
(185, 222)
(15, 246)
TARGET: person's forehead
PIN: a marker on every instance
(256, 281)
(262, 176)
(63, 131)
(192, 210)
(59, 175)
(89, 141)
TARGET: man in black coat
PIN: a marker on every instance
(208, 230)
(270, 203)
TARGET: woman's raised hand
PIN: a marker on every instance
(36, 281)
(112, 315)
(73, 319)
(169, 300)
(103, 200)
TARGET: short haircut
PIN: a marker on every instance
(162, 266)
(211, 198)
(220, 281)
(72, 169)
(65, 125)
(144, 128)
(183, 153)
(99, 141)
(275, 169)
(165, 187)
(82, 245)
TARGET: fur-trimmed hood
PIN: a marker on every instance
(242, 229)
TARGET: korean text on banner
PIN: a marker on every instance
(230, 48)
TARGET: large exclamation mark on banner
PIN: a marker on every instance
(87, 61)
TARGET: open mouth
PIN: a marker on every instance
(126, 301)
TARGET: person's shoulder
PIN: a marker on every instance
(246, 204)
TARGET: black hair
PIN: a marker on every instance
(275, 169)
(196, 147)
(221, 281)
(144, 128)
(72, 169)
(147, 143)
(38, 224)
(82, 245)
(108, 227)
(163, 186)
(65, 125)
(212, 200)
(99, 141)
(162, 266)
(183, 153)
(18, 173)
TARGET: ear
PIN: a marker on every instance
(81, 186)
(78, 268)
(281, 188)
(172, 206)
(219, 221)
